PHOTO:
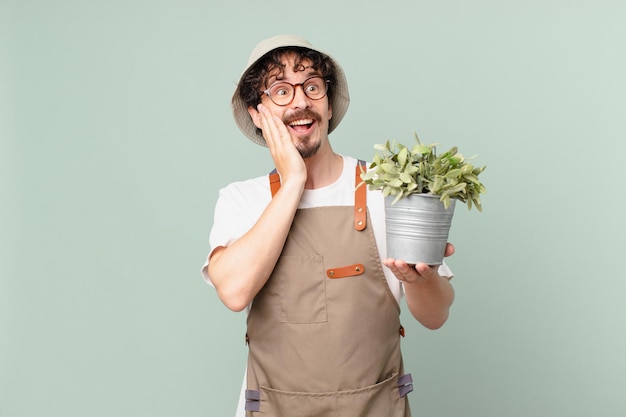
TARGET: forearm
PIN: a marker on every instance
(240, 270)
(429, 300)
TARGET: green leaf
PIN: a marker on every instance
(395, 183)
(445, 199)
(411, 169)
(436, 187)
(388, 167)
(476, 200)
(402, 155)
(478, 170)
(457, 188)
(406, 178)
(471, 178)
(420, 150)
(381, 148)
(453, 173)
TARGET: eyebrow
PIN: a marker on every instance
(308, 70)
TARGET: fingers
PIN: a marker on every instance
(287, 159)
(274, 130)
(449, 250)
(411, 273)
(395, 267)
(403, 271)
(276, 136)
(426, 271)
(269, 127)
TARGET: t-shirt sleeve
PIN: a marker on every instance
(238, 207)
(445, 271)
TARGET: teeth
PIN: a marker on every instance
(301, 122)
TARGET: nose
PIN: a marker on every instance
(300, 100)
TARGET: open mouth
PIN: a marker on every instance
(301, 125)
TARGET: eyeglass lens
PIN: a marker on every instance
(282, 92)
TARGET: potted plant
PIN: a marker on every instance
(421, 188)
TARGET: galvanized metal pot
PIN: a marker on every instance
(417, 228)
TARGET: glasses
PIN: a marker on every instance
(282, 92)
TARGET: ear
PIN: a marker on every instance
(330, 111)
(255, 116)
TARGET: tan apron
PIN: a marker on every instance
(324, 331)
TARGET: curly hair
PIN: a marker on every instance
(255, 79)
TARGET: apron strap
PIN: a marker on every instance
(253, 397)
(405, 384)
(360, 199)
(274, 182)
(253, 400)
(360, 195)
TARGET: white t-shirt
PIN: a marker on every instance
(240, 205)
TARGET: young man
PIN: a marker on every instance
(303, 250)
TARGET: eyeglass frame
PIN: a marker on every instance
(327, 84)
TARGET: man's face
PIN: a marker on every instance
(306, 119)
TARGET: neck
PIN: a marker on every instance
(323, 169)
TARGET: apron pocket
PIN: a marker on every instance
(378, 400)
(302, 289)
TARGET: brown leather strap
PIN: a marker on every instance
(360, 199)
(345, 271)
(274, 182)
(360, 195)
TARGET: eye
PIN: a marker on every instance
(280, 90)
(312, 88)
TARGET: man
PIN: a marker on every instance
(302, 248)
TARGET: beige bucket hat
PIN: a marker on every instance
(339, 102)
